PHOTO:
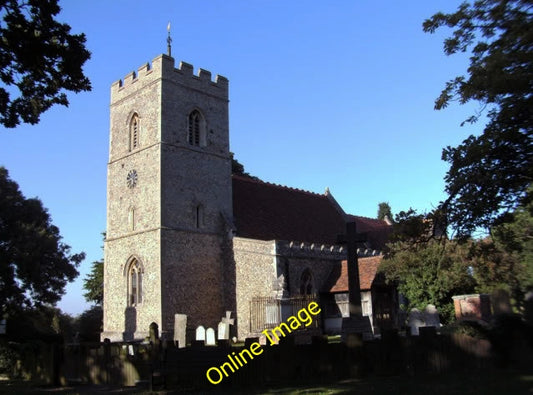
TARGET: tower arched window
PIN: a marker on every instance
(196, 129)
(134, 132)
(135, 277)
(306, 283)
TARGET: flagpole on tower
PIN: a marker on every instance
(169, 41)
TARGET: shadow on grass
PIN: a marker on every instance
(497, 382)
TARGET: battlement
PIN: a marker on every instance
(162, 67)
(295, 248)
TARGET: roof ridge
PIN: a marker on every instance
(259, 181)
(373, 219)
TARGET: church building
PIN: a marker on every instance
(186, 236)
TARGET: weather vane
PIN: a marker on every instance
(169, 41)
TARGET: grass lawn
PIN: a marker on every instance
(499, 382)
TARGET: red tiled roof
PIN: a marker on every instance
(368, 267)
(272, 212)
(267, 211)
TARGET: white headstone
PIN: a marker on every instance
(431, 316)
(210, 337)
(180, 328)
(224, 326)
(200, 333)
(223, 331)
(415, 321)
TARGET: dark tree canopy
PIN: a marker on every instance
(93, 284)
(39, 60)
(490, 174)
(35, 265)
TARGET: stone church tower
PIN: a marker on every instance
(169, 201)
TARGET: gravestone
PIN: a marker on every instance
(210, 337)
(431, 316)
(180, 327)
(223, 331)
(200, 333)
(154, 332)
(415, 321)
(224, 326)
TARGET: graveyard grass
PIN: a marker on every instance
(499, 382)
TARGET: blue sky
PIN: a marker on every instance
(334, 94)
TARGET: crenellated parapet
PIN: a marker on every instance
(163, 67)
(328, 251)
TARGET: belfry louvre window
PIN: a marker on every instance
(134, 284)
(134, 132)
(306, 283)
(196, 128)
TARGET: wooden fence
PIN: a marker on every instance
(288, 362)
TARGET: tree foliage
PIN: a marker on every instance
(39, 60)
(384, 210)
(490, 174)
(515, 237)
(89, 324)
(93, 284)
(46, 323)
(35, 265)
(428, 273)
(433, 269)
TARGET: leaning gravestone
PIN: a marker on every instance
(180, 328)
(431, 316)
(210, 337)
(415, 321)
(200, 333)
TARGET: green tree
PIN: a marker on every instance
(35, 265)
(516, 237)
(93, 284)
(514, 242)
(429, 273)
(429, 268)
(490, 174)
(39, 60)
(384, 210)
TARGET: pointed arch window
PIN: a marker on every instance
(306, 283)
(196, 129)
(135, 277)
(134, 132)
